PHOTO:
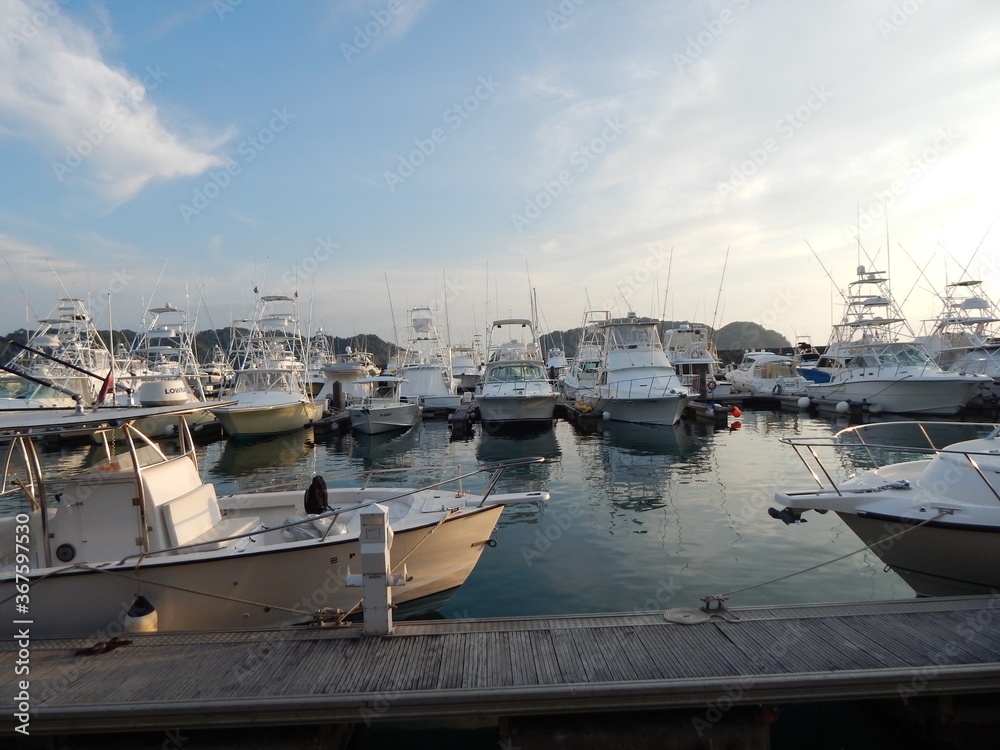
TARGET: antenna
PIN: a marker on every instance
(718, 297)
(666, 289)
(628, 304)
(392, 315)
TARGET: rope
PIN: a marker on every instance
(425, 537)
(836, 559)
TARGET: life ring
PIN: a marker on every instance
(711, 385)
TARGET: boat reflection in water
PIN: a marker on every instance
(280, 456)
(386, 448)
(640, 462)
(503, 447)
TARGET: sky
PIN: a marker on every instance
(714, 161)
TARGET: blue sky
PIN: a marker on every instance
(458, 154)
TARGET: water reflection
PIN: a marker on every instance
(265, 460)
(386, 450)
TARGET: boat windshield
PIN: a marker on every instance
(633, 337)
(906, 356)
(513, 373)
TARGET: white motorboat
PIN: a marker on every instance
(467, 364)
(161, 368)
(692, 355)
(929, 506)
(581, 376)
(636, 382)
(64, 363)
(426, 366)
(270, 393)
(343, 372)
(141, 527)
(766, 373)
(515, 390)
(380, 408)
(965, 336)
(873, 359)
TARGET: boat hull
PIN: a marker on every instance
(933, 395)
(659, 411)
(259, 588)
(517, 409)
(375, 420)
(934, 560)
(273, 419)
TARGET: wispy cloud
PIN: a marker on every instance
(92, 118)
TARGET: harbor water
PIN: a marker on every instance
(640, 518)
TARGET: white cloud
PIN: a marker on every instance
(93, 119)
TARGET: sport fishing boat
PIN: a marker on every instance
(515, 391)
(873, 359)
(929, 505)
(138, 541)
(271, 394)
(636, 382)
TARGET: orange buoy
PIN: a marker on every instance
(737, 412)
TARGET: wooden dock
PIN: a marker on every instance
(685, 659)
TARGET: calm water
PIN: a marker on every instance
(640, 517)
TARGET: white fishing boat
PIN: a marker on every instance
(319, 354)
(64, 363)
(380, 408)
(515, 390)
(929, 506)
(270, 394)
(965, 336)
(343, 372)
(873, 359)
(582, 373)
(467, 364)
(426, 365)
(692, 355)
(139, 541)
(636, 382)
(161, 369)
(767, 374)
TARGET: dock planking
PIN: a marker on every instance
(449, 669)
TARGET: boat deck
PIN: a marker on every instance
(680, 658)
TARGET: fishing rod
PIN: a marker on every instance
(62, 362)
(39, 381)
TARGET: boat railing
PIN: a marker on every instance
(657, 386)
(880, 454)
(496, 470)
